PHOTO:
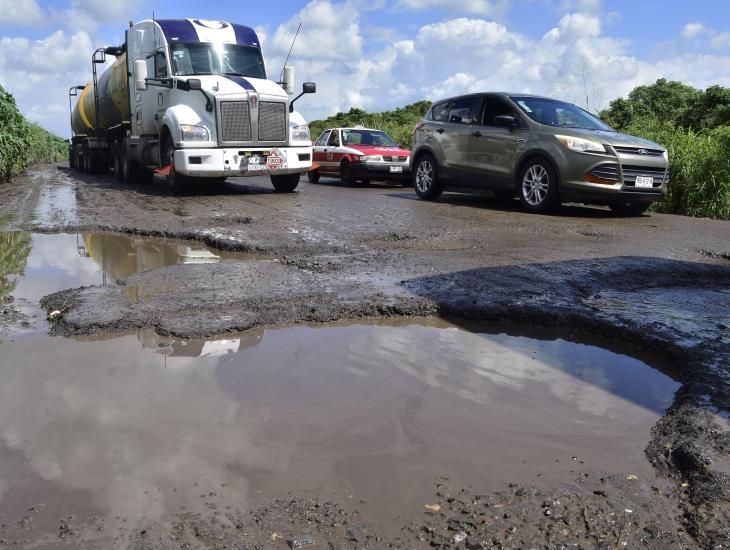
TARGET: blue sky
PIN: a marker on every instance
(378, 54)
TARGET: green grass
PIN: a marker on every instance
(22, 143)
(699, 172)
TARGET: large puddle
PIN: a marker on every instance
(135, 428)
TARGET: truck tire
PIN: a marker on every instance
(131, 171)
(174, 182)
(117, 160)
(285, 183)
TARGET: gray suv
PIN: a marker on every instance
(543, 150)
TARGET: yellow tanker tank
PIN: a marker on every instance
(113, 100)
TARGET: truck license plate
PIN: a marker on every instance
(253, 164)
(396, 169)
(644, 181)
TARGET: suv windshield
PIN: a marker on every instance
(367, 137)
(558, 113)
(201, 59)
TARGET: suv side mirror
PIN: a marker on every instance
(140, 75)
(506, 121)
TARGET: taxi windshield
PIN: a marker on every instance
(210, 58)
(367, 137)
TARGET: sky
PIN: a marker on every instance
(381, 54)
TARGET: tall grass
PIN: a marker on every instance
(22, 143)
(699, 172)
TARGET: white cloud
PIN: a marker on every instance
(20, 12)
(691, 30)
(39, 73)
(477, 7)
(720, 40)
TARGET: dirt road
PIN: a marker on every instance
(655, 287)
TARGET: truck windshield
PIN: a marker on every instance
(206, 58)
(552, 112)
(367, 137)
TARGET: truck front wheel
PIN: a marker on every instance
(285, 183)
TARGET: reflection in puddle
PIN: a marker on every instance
(132, 428)
(137, 426)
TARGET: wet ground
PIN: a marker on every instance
(535, 415)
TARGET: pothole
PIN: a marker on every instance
(135, 428)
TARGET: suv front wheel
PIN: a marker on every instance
(426, 179)
(538, 186)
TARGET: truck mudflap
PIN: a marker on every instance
(236, 162)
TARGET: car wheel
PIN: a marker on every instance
(313, 176)
(346, 175)
(538, 186)
(629, 208)
(426, 179)
(285, 183)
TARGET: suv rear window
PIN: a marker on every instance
(462, 109)
(439, 111)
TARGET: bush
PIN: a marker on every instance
(21, 143)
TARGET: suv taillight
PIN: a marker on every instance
(418, 127)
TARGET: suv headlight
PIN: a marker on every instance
(581, 145)
(299, 132)
(371, 158)
(665, 155)
(194, 133)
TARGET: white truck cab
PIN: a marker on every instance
(201, 105)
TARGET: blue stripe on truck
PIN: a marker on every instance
(178, 30)
(242, 82)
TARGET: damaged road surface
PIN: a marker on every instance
(353, 368)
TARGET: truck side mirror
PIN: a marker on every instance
(140, 75)
(194, 84)
(307, 88)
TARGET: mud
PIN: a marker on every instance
(658, 282)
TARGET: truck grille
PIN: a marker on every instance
(235, 121)
(630, 172)
(272, 121)
(639, 151)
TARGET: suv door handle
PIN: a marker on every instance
(477, 134)
(520, 140)
(440, 130)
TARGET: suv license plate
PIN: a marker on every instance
(396, 169)
(644, 181)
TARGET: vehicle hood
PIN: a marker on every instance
(230, 85)
(387, 151)
(613, 138)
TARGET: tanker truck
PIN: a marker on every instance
(189, 99)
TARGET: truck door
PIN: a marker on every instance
(493, 149)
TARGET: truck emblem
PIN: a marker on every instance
(254, 101)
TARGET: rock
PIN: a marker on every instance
(300, 542)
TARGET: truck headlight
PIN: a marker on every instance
(194, 133)
(581, 145)
(371, 158)
(299, 132)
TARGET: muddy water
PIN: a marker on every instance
(124, 432)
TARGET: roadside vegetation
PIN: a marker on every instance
(23, 143)
(694, 126)
(398, 124)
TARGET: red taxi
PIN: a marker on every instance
(362, 154)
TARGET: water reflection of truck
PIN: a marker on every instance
(172, 346)
(190, 98)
